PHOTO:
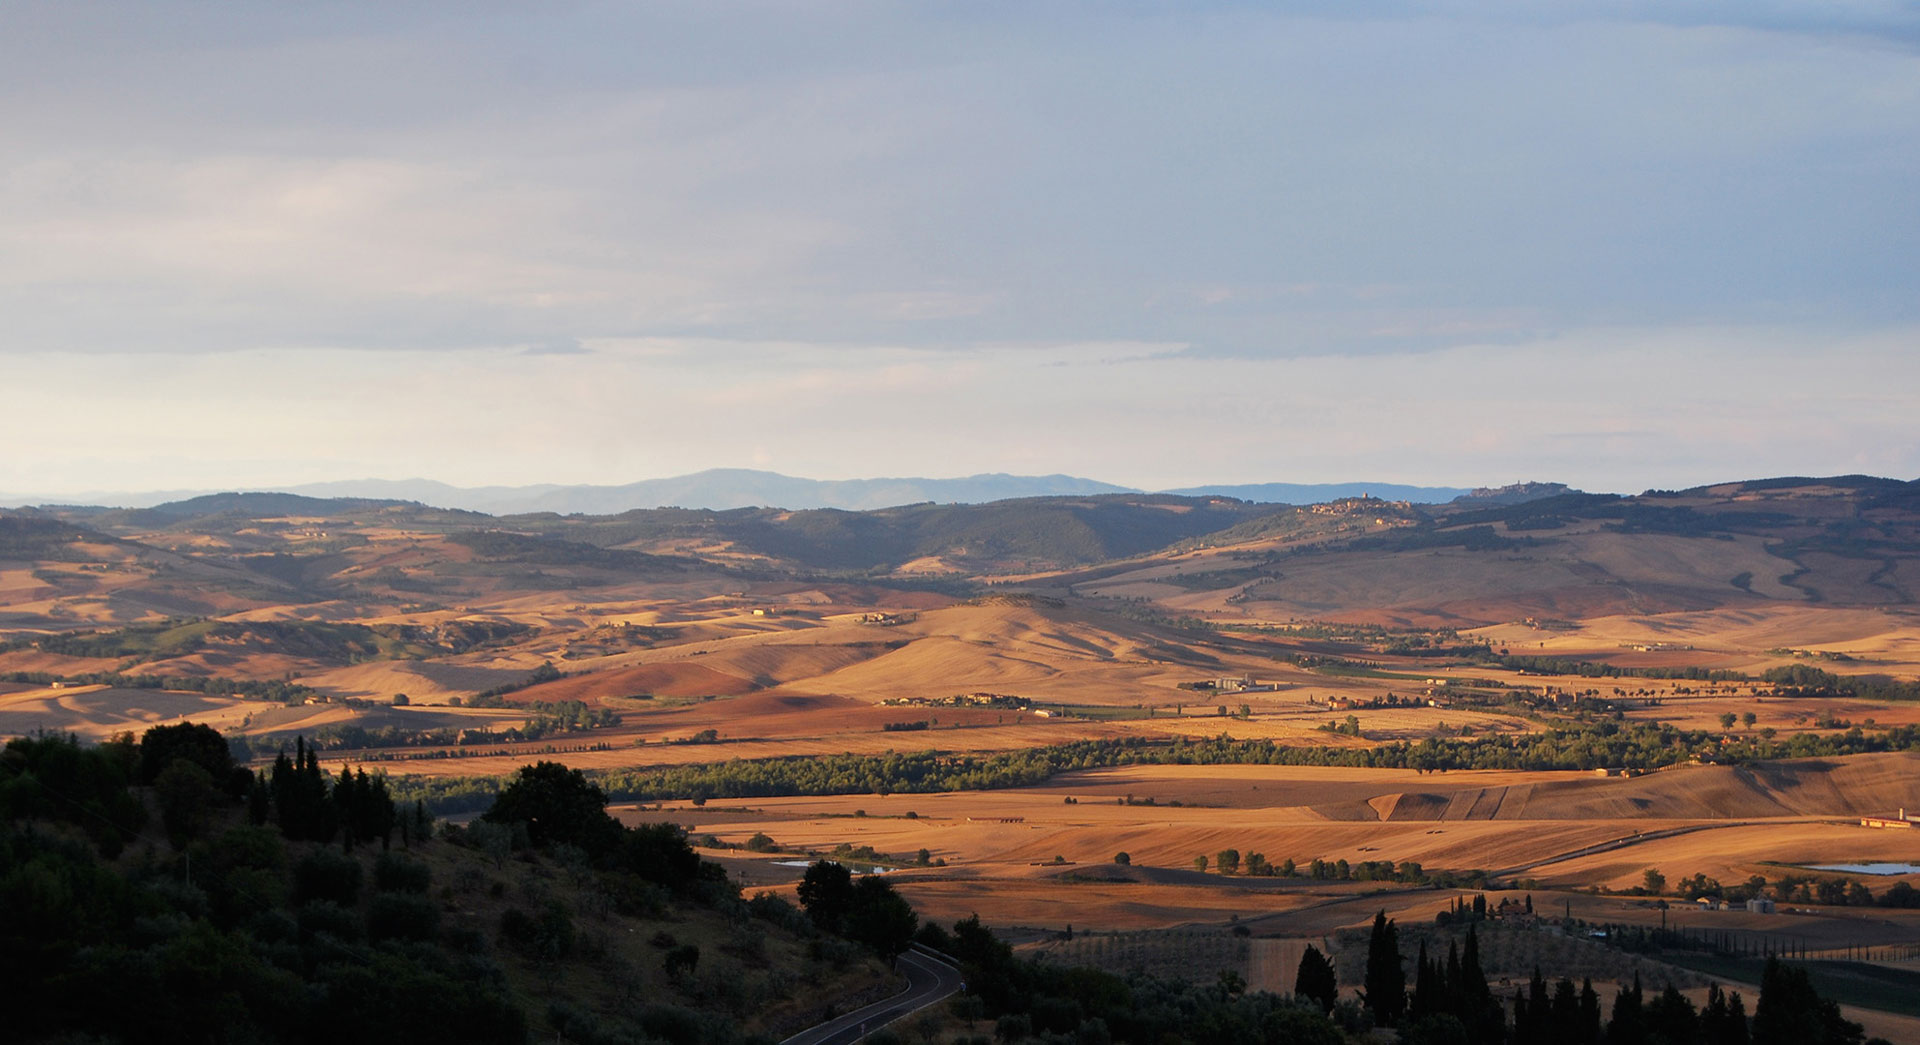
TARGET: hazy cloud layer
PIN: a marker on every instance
(1614, 410)
(1610, 244)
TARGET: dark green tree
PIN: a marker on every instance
(1316, 980)
(302, 805)
(878, 917)
(364, 807)
(1533, 1013)
(1429, 988)
(1791, 1012)
(1724, 1019)
(1478, 1009)
(1440, 1028)
(988, 962)
(346, 804)
(1386, 981)
(201, 745)
(681, 961)
(826, 891)
(1628, 1023)
(1588, 1026)
(1298, 1026)
(1564, 1013)
(661, 853)
(1672, 1020)
(557, 806)
(259, 802)
(54, 778)
(188, 800)
(420, 823)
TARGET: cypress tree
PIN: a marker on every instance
(1724, 1020)
(1525, 1025)
(1628, 1024)
(1671, 1019)
(258, 802)
(346, 807)
(1386, 983)
(1316, 979)
(300, 799)
(1791, 1012)
(280, 790)
(422, 823)
(1426, 988)
(1532, 1016)
(1453, 980)
(380, 811)
(1473, 979)
(1566, 1011)
(1737, 1033)
(1589, 1025)
(1476, 1006)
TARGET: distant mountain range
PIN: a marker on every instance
(723, 488)
(1321, 493)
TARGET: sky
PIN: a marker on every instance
(1619, 245)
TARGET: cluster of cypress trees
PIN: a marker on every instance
(1452, 1002)
(1457, 989)
(1669, 1017)
(308, 805)
(1451, 997)
(1562, 1017)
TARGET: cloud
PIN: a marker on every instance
(434, 180)
(1138, 242)
(1606, 409)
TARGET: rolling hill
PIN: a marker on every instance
(271, 586)
(1848, 541)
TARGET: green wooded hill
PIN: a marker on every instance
(154, 893)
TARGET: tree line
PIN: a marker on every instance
(1581, 746)
(1450, 1001)
(246, 689)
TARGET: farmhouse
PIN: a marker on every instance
(1232, 684)
(1899, 820)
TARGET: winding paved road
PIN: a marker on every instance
(928, 982)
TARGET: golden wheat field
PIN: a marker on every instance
(1287, 637)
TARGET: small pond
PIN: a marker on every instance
(1878, 868)
(865, 869)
